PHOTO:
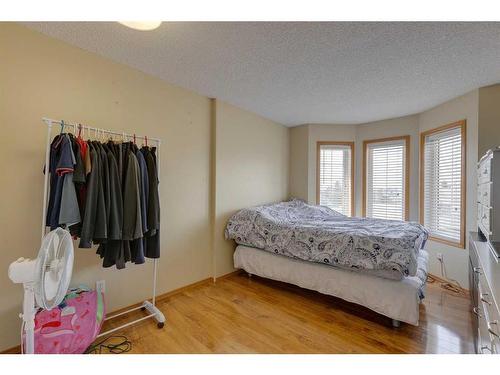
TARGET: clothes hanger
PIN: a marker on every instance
(59, 140)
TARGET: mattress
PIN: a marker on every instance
(385, 248)
(396, 299)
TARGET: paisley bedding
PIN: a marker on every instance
(385, 248)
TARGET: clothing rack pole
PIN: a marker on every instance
(153, 311)
(48, 122)
(156, 260)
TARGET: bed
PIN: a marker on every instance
(376, 263)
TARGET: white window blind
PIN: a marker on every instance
(443, 184)
(385, 180)
(335, 177)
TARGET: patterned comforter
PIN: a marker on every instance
(385, 248)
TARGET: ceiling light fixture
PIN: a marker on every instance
(141, 25)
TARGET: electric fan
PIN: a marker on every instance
(45, 279)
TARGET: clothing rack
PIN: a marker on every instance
(150, 306)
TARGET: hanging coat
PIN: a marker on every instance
(58, 158)
(152, 248)
(137, 246)
(113, 247)
(89, 220)
(101, 224)
(69, 212)
(132, 221)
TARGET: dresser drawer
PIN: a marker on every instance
(484, 194)
(489, 328)
(485, 344)
(484, 171)
(488, 305)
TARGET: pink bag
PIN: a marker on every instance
(72, 326)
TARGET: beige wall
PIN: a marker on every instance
(215, 159)
(299, 159)
(40, 76)
(307, 136)
(489, 118)
(325, 132)
(251, 168)
(407, 125)
(463, 107)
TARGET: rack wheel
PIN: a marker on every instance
(160, 325)
(143, 308)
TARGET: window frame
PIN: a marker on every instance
(461, 124)
(366, 143)
(350, 144)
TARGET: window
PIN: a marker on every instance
(442, 183)
(386, 174)
(334, 176)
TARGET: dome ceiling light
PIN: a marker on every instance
(141, 25)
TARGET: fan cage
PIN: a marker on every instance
(55, 256)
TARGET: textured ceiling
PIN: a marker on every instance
(297, 73)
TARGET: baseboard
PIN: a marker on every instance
(225, 276)
(14, 350)
(441, 280)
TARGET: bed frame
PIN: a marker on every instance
(398, 300)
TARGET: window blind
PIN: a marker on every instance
(443, 184)
(335, 177)
(385, 180)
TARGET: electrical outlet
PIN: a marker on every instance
(100, 285)
(439, 257)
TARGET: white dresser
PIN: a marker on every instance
(484, 286)
(484, 252)
(488, 209)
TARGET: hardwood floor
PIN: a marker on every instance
(254, 315)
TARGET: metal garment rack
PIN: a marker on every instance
(150, 306)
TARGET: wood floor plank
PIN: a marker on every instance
(254, 315)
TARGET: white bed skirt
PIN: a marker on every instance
(398, 300)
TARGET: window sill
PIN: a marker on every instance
(460, 245)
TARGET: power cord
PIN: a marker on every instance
(449, 284)
(122, 346)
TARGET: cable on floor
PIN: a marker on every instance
(123, 345)
(448, 284)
